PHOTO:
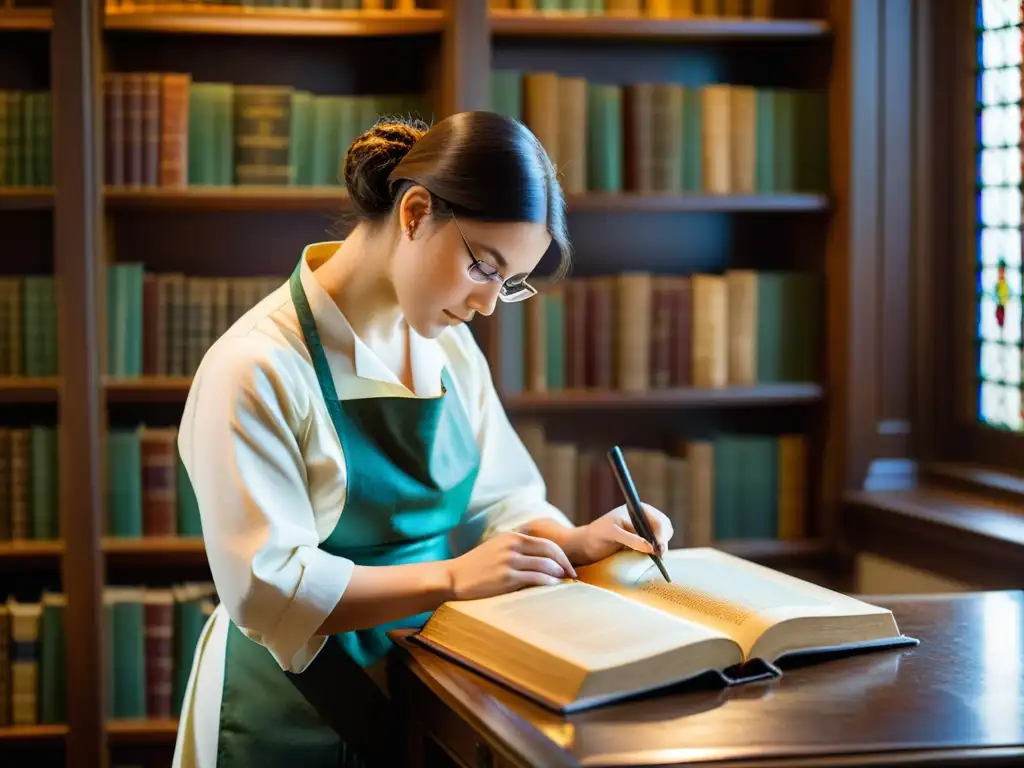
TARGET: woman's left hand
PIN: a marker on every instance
(613, 531)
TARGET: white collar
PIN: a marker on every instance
(370, 373)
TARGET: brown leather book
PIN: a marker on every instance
(174, 102)
(158, 618)
(159, 481)
(114, 129)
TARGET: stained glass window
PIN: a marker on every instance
(998, 158)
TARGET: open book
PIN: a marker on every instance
(621, 629)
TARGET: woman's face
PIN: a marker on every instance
(432, 278)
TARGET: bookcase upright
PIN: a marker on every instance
(722, 171)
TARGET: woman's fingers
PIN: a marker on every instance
(660, 524)
(631, 540)
(540, 547)
(540, 564)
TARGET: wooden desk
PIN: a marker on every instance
(956, 698)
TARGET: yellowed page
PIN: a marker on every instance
(732, 595)
(591, 628)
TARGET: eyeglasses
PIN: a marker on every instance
(513, 289)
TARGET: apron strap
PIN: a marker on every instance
(312, 336)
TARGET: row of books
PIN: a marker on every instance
(151, 638)
(148, 490)
(733, 486)
(291, 5)
(28, 326)
(26, 138)
(148, 493)
(162, 324)
(716, 138)
(659, 9)
(30, 483)
(638, 331)
(164, 130)
(652, 8)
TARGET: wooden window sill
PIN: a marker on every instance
(962, 523)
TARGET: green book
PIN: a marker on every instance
(693, 141)
(302, 138)
(507, 93)
(605, 134)
(45, 483)
(554, 326)
(52, 660)
(124, 483)
(764, 127)
(126, 653)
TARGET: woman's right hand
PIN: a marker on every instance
(505, 563)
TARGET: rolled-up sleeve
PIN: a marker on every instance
(510, 489)
(246, 467)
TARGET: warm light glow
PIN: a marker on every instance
(998, 167)
(1001, 710)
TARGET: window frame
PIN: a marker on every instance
(947, 248)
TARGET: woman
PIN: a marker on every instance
(353, 464)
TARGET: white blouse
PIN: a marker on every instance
(268, 470)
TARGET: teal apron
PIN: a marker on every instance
(411, 465)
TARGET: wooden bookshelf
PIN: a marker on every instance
(30, 551)
(155, 551)
(448, 54)
(148, 389)
(228, 198)
(26, 198)
(277, 22)
(16, 389)
(25, 20)
(120, 731)
(40, 732)
(142, 731)
(661, 399)
(517, 24)
(696, 203)
(331, 198)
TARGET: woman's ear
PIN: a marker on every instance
(413, 211)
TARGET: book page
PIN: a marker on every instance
(726, 593)
(593, 628)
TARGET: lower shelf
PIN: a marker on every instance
(117, 731)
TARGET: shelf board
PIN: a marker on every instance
(159, 551)
(120, 730)
(141, 731)
(33, 732)
(155, 389)
(17, 389)
(26, 19)
(229, 198)
(153, 545)
(334, 197)
(25, 198)
(517, 24)
(694, 202)
(269, 21)
(659, 399)
(28, 550)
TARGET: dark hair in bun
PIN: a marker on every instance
(371, 159)
(480, 165)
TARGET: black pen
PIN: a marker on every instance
(636, 511)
